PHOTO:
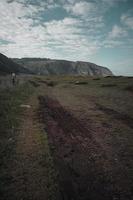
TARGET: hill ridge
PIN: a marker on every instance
(7, 65)
(47, 66)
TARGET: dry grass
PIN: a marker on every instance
(105, 144)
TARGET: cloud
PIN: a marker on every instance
(127, 19)
(113, 2)
(117, 32)
(22, 36)
(117, 37)
(110, 43)
(81, 8)
(80, 34)
(90, 7)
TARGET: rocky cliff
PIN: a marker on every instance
(43, 66)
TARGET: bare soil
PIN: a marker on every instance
(120, 116)
(88, 169)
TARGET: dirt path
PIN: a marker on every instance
(88, 169)
(32, 170)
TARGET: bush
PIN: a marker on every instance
(51, 83)
(81, 82)
(109, 85)
(129, 88)
(96, 79)
(33, 83)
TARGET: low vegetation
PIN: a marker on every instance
(85, 139)
(90, 126)
(129, 88)
(109, 85)
(10, 101)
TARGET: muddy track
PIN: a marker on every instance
(126, 119)
(86, 172)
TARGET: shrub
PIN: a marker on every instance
(129, 88)
(109, 85)
(96, 79)
(81, 82)
(51, 83)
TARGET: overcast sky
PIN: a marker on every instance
(99, 31)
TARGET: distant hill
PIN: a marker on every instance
(8, 66)
(44, 66)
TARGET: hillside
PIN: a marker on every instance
(7, 66)
(45, 66)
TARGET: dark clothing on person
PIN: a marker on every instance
(13, 78)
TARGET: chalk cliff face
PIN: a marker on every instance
(8, 66)
(45, 66)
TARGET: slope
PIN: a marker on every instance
(7, 66)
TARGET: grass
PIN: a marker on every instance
(81, 82)
(112, 94)
(34, 83)
(110, 121)
(10, 101)
(51, 83)
(129, 88)
(108, 85)
(11, 116)
(48, 164)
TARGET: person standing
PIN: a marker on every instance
(13, 78)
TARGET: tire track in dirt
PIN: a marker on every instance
(126, 119)
(85, 170)
(28, 173)
(31, 170)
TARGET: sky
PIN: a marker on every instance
(98, 31)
